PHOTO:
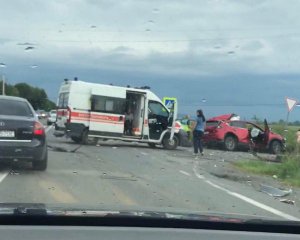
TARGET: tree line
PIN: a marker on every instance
(36, 96)
(280, 122)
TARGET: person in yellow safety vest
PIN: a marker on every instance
(186, 126)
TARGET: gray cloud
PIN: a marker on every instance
(173, 41)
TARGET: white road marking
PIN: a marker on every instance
(48, 128)
(185, 173)
(3, 175)
(246, 199)
(198, 175)
(255, 203)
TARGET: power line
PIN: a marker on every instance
(170, 40)
(220, 29)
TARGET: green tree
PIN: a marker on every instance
(36, 96)
(25, 90)
(10, 90)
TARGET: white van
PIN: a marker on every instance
(89, 110)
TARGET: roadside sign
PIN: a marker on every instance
(291, 103)
(170, 102)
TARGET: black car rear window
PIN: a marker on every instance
(15, 108)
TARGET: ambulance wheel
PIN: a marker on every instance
(85, 137)
(76, 139)
(170, 144)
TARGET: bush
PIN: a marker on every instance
(288, 170)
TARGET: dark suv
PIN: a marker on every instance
(22, 136)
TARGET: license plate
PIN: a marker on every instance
(7, 134)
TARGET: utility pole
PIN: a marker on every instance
(3, 85)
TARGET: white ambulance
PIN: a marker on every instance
(88, 111)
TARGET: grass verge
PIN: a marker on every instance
(288, 171)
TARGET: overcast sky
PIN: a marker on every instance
(222, 56)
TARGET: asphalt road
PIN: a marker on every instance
(134, 176)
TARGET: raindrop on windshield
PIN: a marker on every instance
(151, 21)
(26, 44)
(93, 26)
(230, 52)
(148, 30)
(3, 65)
(203, 100)
(155, 10)
(29, 48)
(33, 66)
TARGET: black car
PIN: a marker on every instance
(22, 136)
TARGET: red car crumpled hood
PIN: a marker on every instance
(223, 117)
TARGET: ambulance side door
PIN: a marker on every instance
(107, 116)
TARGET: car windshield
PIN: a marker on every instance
(15, 108)
(152, 105)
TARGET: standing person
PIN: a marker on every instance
(298, 141)
(198, 133)
(128, 122)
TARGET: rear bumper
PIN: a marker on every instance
(59, 131)
(24, 151)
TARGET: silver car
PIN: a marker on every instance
(51, 117)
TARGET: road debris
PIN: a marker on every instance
(12, 172)
(274, 192)
(288, 201)
(275, 176)
(267, 158)
(60, 149)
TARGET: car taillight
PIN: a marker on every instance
(69, 115)
(38, 129)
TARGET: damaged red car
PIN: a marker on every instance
(232, 133)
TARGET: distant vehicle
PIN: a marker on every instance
(41, 114)
(22, 136)
(98, 111)
(229, 131)
(51, 118)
